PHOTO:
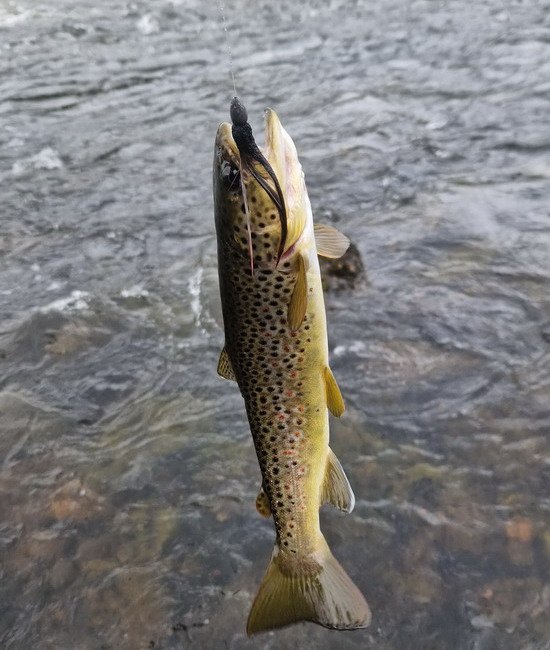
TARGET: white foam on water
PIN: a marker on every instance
(12, 14)
(147, 24)
(356, 347)
(134, 292)
(194, 286)
(77, 301)
(437, 123)
(47, 158)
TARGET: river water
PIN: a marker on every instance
(127, 473)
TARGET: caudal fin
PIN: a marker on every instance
(326, 596)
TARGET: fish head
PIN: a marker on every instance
(247, 217)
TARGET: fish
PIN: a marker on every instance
(276, 350)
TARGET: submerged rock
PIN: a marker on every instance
(520, 532)
(70, 338)
(62, 573)
(347, 272)
(76, 502)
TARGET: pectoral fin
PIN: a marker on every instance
(336, 488)
(329, 241)
(335, 401)
(298, 301)
(225, 368)
(262, 504)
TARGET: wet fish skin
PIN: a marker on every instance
(276, 349)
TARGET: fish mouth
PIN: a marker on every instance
(278, 149)
(280, 152)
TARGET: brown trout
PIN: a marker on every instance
(276, 350)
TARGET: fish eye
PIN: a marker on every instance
(230, 177)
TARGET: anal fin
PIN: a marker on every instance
(329, 241)
(336, 489)
(298, 301)
(335, 401)
(225, 367)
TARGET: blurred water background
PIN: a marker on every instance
(127, 473)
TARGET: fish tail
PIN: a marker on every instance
(325, 595)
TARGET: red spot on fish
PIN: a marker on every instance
(294, 374)
(289, 452)
(297, 434)
(289, 393)
(281, 417)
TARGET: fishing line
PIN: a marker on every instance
(221, 8)
(245, 142)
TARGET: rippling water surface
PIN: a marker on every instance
(127, 474)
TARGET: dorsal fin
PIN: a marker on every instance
(298, 301)
(329, 241)
(336, 488)
(335, 401)
(225, 367)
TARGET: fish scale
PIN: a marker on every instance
(269, 363)
(276, 350)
